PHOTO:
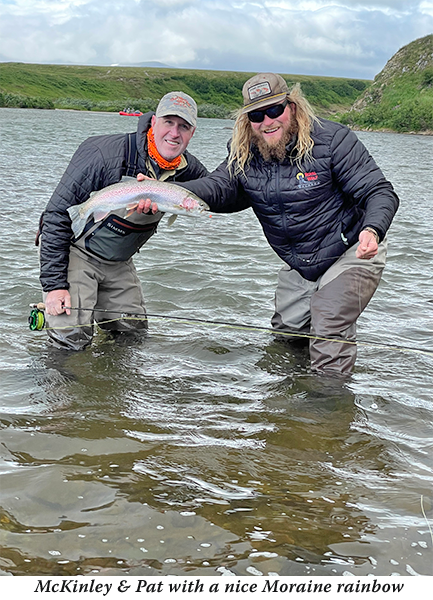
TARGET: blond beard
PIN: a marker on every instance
(276, 151)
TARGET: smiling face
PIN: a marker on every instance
(272, 135)
(172, 135)
(273, 130)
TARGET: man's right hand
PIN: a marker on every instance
(56, 301)
(145, 206)
(368, 244)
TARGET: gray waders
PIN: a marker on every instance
(329, 307)
(100, 286)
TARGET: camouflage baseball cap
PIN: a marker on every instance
(263, 89)
(180, 105)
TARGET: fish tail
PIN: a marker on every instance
(78, 222)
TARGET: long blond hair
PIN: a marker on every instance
(240, 150)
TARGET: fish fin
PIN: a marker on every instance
(74, 211)
(171, 220)
(128, 178)
(99, 215)
(131, 208)
(78, 222)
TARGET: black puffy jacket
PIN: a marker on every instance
(311, 213)
(98, 162)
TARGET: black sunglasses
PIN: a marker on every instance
(274, 111)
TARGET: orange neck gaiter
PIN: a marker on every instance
(167, 165)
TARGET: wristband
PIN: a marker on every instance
(373, 231)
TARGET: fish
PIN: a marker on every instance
(170, 198)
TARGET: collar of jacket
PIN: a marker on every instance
(144, 124)
(161, 174)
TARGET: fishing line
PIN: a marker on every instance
(37, 323)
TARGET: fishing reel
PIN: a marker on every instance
(36, 318)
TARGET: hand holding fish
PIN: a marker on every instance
(56, 301)
(145, 206)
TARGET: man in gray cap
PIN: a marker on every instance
(324, 206)
(95, 271)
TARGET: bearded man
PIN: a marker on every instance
(325, 208)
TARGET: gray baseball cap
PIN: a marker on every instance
(180, 105)
(262, 90)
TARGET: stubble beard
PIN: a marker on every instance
(277, 151)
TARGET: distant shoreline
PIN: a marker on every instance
(427, 132)
(217, 93)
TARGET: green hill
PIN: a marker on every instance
(217, 93)
(401, 96)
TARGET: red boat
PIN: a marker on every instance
(130, 113)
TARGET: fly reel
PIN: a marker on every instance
(36, 319)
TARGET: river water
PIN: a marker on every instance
(204, 449)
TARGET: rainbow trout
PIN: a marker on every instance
(127, 194)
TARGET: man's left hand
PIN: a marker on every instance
(367, 245)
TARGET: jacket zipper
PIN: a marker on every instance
(277, 170)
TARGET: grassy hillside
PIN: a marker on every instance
(401, 96)
(217, 93)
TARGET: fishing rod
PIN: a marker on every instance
(37, 322)
(37, 319)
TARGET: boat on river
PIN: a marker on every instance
(129, 112)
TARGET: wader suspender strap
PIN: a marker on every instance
(131, 155)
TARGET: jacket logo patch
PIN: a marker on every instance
(306, 180)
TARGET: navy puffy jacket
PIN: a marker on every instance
(310, 213)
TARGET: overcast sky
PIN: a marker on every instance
(344, 38)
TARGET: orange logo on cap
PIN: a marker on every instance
(177, 100)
